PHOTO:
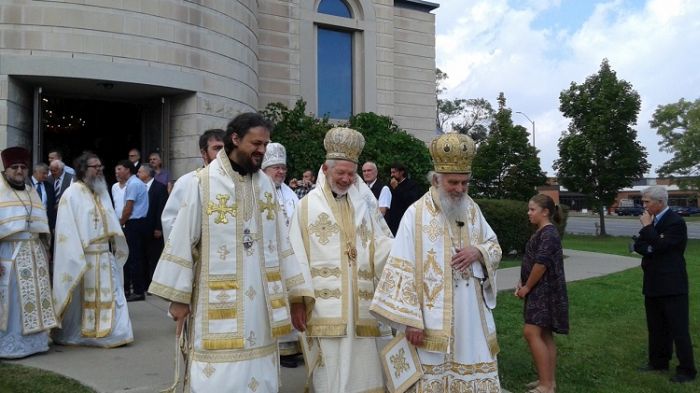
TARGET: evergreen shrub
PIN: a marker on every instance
(385, 142)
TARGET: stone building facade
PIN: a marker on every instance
(108, 75)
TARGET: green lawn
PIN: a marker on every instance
(20, 379)
(608, 337)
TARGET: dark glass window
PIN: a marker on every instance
(335, 7)
(334, 73)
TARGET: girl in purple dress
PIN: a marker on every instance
(543, 286)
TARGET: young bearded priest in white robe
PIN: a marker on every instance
(229, 270)
(89, 257)
(439, 284)
(26, 306)
(340, 234)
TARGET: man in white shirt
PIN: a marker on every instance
(122, 173)
(379, 189)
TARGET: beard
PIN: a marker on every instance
(336, 188)
(96, 184)
(454, 206)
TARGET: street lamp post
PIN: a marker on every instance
(533, 127)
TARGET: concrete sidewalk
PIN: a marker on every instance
(147, 364)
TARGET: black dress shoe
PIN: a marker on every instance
(288, 361)
(682, 378)
(650, 368)
(135, 297)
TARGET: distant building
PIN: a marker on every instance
(577, 201)
(108, 76)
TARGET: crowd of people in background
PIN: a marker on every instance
(326, 266)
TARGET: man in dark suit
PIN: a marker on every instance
(59, 178)
(404, 191)
(157, 197)
(661, 242)
(44, 188)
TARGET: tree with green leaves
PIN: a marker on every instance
(385, 142)
(599, 153)
(506, 166)
(678, 124)
(466, 116)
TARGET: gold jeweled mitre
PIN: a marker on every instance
(343, 144)
(452, 153)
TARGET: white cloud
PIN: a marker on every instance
(489, 46)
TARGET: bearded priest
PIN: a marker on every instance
(439, 284)
(229, 270)
(26, 307)
(340, 234)
(89, 257)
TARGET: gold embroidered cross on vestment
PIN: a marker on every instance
(268, 205)
(223, 252)
(399, 362)
(221, 209)
(323, 228)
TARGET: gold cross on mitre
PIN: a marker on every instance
(221, 209)
(269, 206)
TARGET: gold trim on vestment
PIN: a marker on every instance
(325, 272)
(217, 314)
(322, 330)
(412, 322)
(223, 343)
(280, 331)
(461, 369)
(223, 285)
(227, 356)
(176, 260)
(93, 305)
(278, 303)
(286, 253)
(169, 293)
(294, 281)
(367, 331)
(273, 275)
(325, 293)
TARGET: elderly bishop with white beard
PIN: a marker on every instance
(439, 283)
(89, 256)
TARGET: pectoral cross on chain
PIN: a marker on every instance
(221, 209)
(269, 206)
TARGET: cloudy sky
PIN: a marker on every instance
(532, 50)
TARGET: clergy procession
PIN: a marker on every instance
(258, 278)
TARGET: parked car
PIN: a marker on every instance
(688, 211)
(635, 210)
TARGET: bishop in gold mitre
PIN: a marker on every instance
(438, 285)
(339, 233)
